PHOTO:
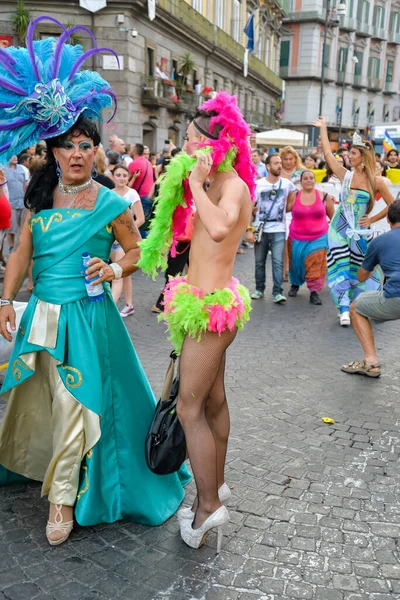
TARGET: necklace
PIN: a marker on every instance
(73, 189)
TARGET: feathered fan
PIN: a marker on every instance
(42, 91)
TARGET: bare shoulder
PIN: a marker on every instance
(237, 189)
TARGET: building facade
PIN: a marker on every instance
(198, 45)
(362, 63)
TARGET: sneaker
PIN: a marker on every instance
(293, 291)
(125, 312)
(315, 299)
(344, 319)
(257, 295)
(279, 299)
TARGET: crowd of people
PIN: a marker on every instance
(73, 211)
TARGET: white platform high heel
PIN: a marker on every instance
(196, 537)
(224, 493)
(58, 525)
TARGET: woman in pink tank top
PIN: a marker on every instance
(308, 240)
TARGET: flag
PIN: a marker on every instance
(249, 31)
(388, 143)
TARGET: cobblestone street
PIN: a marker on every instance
(315, 509)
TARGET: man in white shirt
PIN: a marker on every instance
(272, 193)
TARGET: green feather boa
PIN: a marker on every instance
(155, 248)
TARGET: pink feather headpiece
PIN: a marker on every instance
(235, 133)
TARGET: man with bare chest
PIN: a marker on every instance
(205, 309)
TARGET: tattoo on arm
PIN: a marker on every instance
(125, 219)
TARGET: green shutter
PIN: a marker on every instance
(326, 55)
(285, 54)
(358, 66)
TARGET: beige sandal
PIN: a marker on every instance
(362, 367)
(58, 525)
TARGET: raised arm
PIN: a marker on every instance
(383, 189)
(218, 220)
(16, 270)
(333, 164)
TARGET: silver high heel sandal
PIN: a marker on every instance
(58, 525)
(196, 537)
(224, 493)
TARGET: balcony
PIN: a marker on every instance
(342, 77)
(348, 24)
(307, 72)
(374, 84)
(360, 81)
(390, 87)
(394, 38)
(364, 29)
(306, 16)
(378, 33)
(180, 13)
(158, 93)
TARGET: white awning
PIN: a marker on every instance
(282, 137)
(93, 5)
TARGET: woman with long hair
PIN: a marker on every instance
(292, 166)
(78, 402)
(350, 229)
(121, 177)
(103, 175)
(308, 240)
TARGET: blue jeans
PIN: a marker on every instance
(147, 207)
(276, 243)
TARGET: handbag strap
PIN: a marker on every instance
(144, 176)
(169, 378)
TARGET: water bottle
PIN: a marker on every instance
(95, 292)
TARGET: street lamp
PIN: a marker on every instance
(354, 60)
(340, 10)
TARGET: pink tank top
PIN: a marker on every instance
(308, 222)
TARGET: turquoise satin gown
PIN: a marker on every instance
(97, 364)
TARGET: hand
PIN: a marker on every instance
(95, 264)
(320, 122)
(250, 236)
(7, 315)
(201, 170)
(365, 222)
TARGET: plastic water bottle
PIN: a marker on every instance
(95, 292)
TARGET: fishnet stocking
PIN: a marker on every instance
(204, 415)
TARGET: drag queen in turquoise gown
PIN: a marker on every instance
(79, 404)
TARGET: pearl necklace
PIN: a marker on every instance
(73, 189)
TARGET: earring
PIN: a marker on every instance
(94, 172)
(362, 165)
(58, 170)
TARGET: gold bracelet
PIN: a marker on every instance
(250, 228)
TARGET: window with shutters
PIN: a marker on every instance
(358, 66)
(389, 71)
(285, 54)
(379, 17)
(236, 28)
(342, 59)
(219, 13)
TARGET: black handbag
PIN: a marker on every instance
(165, 446)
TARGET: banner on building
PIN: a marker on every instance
(93, 5)
(246, 63)
(151, 9)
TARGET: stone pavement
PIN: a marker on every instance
(315, 509)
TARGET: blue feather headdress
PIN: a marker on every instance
(43, 92)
